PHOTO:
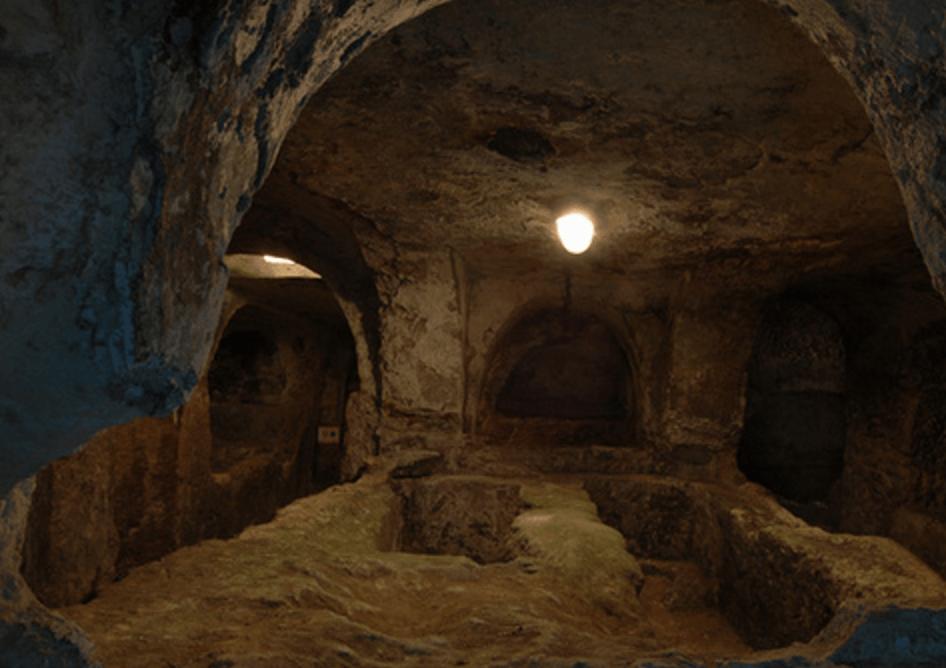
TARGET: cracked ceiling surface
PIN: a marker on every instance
(708, 136)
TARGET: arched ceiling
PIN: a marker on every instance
(135, 139)
(708, 137)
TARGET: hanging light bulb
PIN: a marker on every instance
(576, 231)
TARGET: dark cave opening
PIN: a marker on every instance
(794, 435)
(246, 368)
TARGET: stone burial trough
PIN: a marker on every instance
(730, 552)
(472, 570)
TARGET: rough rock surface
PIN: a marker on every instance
(690, 130)
(779, 580)
(244, 445)
(109, 164)
(135, 136)
(458, 515)
(320, 585)
(30, 635)
(134, 139)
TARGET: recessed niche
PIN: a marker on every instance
(793, 437)
(246, 368)
(582, 376)
(559, 378)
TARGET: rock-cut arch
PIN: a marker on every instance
(793, 440)
(559, 377)
(114, 229)
(135, 137)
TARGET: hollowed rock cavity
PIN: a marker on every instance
(794, 436)
(559, 378)
(472, 517)
(690, 547)
(483, 571)
(779, 580)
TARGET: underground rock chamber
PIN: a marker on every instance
(369, 575)
(487, 571)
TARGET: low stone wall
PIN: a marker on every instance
(780, 580)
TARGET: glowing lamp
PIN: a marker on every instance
(576, 231)
(277, 260)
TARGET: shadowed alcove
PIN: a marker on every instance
(794, 435)
(559, 377)
(246, 444)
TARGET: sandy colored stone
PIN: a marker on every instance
(320, 586)
(317, 585)
(134, 141)
(561, 531)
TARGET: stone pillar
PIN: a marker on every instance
(705, 390)
(421, 350)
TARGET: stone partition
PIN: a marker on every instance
(780, 581)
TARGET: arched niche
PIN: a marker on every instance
(247, 443)
(318, 232)
(559, 377)
(256, 378)
(793, 437)
(283, 369)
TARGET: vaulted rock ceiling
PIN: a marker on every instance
(707, 139)
(755, 306)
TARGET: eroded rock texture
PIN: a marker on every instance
(747, 165)
(323, 585)
(245, 444)
(134, 139)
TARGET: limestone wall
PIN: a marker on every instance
(244, 445)
(134, 139)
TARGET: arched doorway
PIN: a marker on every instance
(265, 426)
